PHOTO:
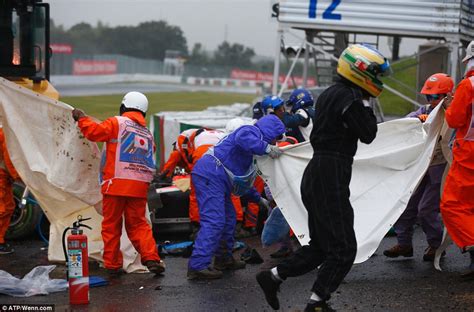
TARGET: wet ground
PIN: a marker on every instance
(379, 284)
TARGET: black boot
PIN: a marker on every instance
(318, 306)
(270, 287)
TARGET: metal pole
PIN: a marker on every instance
(454, 57)
(306, 61)
(396, 48)
(276, 66)
(283, 86)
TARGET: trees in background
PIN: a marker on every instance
(199, 56)
(148, 40)
(235, 54)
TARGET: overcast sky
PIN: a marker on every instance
(206, 21)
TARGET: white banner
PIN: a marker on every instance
(385, 174)
(59, 166)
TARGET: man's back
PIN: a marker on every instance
(342, 120)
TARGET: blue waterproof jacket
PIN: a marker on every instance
(237, 149)
(294, 121)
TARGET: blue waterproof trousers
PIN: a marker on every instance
(216, 235)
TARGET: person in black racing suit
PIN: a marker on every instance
(344, 117)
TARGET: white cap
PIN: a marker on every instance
(136, 100)
(469, 52)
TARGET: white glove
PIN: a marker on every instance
(273, 151)
(265, 203)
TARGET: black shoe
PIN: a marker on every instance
(6, 249)
(318, 306)
(156, 267)
(251, 256)
(115, 272)
(398, 250)
(270, 288)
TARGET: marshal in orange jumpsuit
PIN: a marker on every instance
(121, 197)
(173, 161)
(457, 203)
(182, 152)
(7, 175)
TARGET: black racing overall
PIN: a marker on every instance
(341, 121)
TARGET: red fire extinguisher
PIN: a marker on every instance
(77, 262)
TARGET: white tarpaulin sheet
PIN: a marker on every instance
(384, 175)
(59, 166)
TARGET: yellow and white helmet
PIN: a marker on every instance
(363, 65)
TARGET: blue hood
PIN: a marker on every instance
(271, 127)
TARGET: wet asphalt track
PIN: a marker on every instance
(379, 284)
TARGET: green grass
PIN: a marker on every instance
(406, 72)
(104, 106)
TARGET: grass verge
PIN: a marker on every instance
(104, 106)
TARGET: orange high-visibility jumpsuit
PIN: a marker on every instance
(182, 154)
(251, 215)
(7, 175)
(173, 161)
(457, 202)
(121, 197)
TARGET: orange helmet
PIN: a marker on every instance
(438, 84)
(289, 140)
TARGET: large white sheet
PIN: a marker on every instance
(58, 165)
(385, 174)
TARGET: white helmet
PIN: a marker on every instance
(234, 124)
(469, 52)
(135, 100)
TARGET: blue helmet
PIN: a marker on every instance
(271, 101)
(300, 98)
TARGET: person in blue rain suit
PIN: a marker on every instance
(299, 121)
(228, 168)
(261, 108)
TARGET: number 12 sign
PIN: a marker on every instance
(328, 13)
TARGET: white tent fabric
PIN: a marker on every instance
(58, 165)
(385, 174)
